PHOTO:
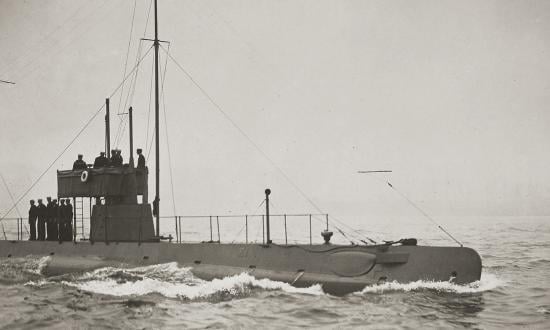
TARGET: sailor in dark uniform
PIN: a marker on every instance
(113, 156)
(141, 159)
(61, 214)
(49, 218)
(119, 160)
(101, 160)
(79, 164)
(54, 221)
(42, 214)
(68, 230)
(33, 215)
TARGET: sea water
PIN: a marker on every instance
(514, 290)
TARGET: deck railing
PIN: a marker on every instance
(246, 228)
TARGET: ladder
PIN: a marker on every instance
(79, 216)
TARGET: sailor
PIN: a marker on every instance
(55, 221)
(141, 159)
(79, 164)
(61, 215)
(116, 158)
(68, 230)
(33, 215)
(50, 218)
(101, 160)
(42, 214)
(119, 160)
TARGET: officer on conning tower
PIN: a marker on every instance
(79, 164)
(101, 160)
(141, 159)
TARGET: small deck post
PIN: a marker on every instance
(286, 238)
(211, 239)
(267, 225)
(263, 229)
(74, 219)
(246, 228)
(179, 220)
(218, 223)
(310, 242)
(177, 232)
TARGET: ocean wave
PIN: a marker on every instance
(172, 281)
(22, 269)
(487, 282)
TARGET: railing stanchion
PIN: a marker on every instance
(286, 238)
(17, 223)
(177, 233)
(246, 227)
(179, 220)
(263, 230)
(211, 239)
(327, 220)
(218, 223)
(74, 219)
(310, 242)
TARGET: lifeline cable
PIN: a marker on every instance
(424, 213)
(283, 173)
(73, 140)
(13, 201)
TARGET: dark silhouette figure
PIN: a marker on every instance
(79, 164)
(33, 215)
(141, 159)
(42, 214)
(101, 160)
(68, 227)
(51, 221)
(61, 215)
(116, 159)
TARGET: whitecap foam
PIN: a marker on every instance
(38, 266)
(487, 282)
(172, 281)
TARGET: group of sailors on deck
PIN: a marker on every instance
(53, 221)
(102, 161)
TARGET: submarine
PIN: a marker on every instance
(125, 232)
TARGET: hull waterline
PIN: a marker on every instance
(339, 269)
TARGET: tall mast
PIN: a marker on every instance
(156, 203)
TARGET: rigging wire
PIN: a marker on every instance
(82, 129)
(163, 77)
(234, 124)
(13, 201)
(127, 54)
(130, 94)
(147, 145)
(423, 213)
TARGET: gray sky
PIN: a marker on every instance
(451, 95)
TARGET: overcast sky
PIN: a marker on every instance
(453, 96)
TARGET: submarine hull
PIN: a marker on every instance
(340, 269)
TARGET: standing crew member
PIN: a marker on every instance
(49, 218)
(101, 160)
(68, 220)
(42, 213)
(61, 215)
(141, 159)
(33, 215)
(118, 161)
(79, 164)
